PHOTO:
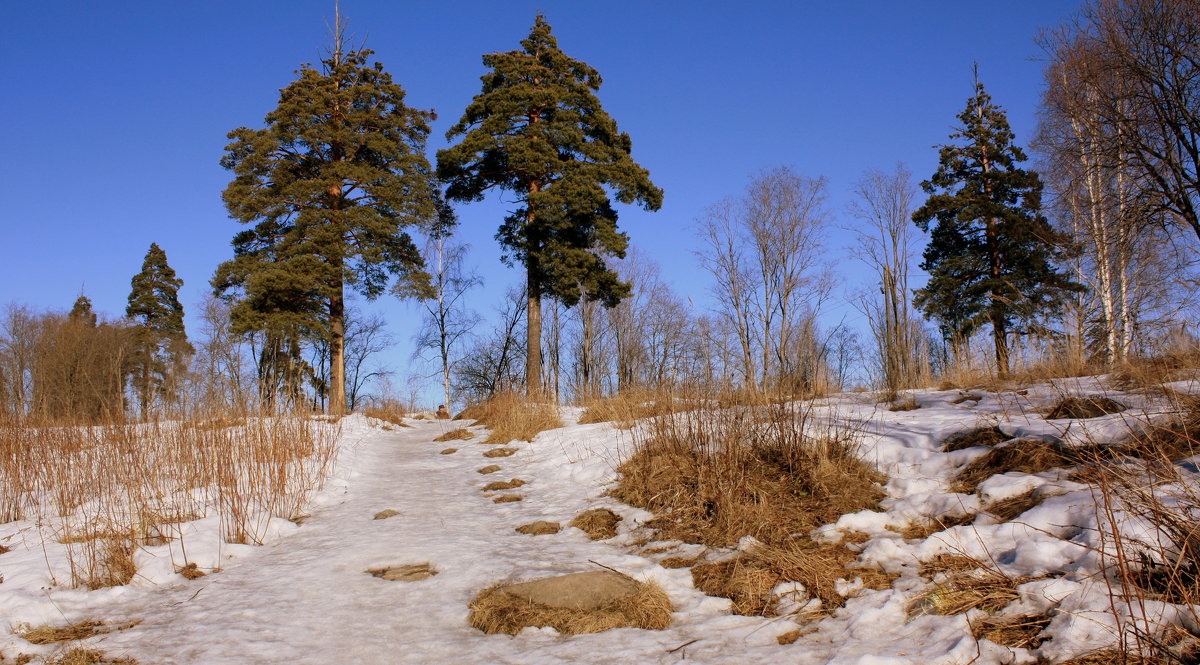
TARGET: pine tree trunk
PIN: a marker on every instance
(337, 353)
(533, 339)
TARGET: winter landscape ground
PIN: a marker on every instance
(956, 564)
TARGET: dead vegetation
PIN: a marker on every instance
(503, 485)
(1014, 632)
(413, 572)
(1022, 455)
(963, 583)
(80, 656)
(598, 523)
(70, 633)
(500, 452)
(384, 514)
(389, 411)
(623, 409)
(191, 571)
(716, 475)
(448, 451)
(539, 528)
(748, 579)
(511, 417)
(491, 468)
(459, 434)
(508, 498)
(1008, 509)
(904, 403)
(494, 611)
(1083, 408)
(970, 438)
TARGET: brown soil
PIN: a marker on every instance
(449, 451)
(508, 498)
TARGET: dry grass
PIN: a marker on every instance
(494, 611)
(389, 411)
(384, 514)
(967, 397)
(130, 484)
(500, 452)
(1082, 408)
(679, 562)
(716, 475)
(448, 451)
(1008, 509)
(967, 584)
(598, 523)
(539, 528)
(1014, 632)
(502, 485)
(904, 403)
(623, 409)
(970, 438)
(81, 656)
(491, 468)
(1021, 455)
(191, 571)
(789, 637)
(508, 498)
(749, 579)
(511, 417)
(1155, 371)
(72, 632)
(1174, 440)
(459, 434)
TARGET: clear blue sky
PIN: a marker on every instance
(115, 114)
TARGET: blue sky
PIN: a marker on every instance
(115, 114)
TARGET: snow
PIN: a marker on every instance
(304, 596)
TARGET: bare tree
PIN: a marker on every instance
(366, 338)
(495, 362)
(446, 320)
(764, 250)
(884, 205)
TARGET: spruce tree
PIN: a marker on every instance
(991, 252)
(331, 183)
(538, 130)
(159, 338)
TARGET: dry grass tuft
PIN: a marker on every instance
(508, 498)
(494, 611)
(502, 485)
(1172, 441)
(904, 403)
(1008, 509)
(715, 475)
(511, 417)
(449, 451)
(384, 514)
(970, 438)
(598, 523)
(456, 435)
(500, 452)
(539, 528)
(491, 468)
(1013, 632)
(191, 571)
(1022, 455)
(966, 397)
(1082, 408)
(389, 411)
(413, 572)
(75, 631)
(80, 656)
(967, 584)
(749, 579)
(5, 550)
(679, 562)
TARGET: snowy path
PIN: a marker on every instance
(307, 599)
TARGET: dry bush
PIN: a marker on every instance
(1022, 455)
(511, 417)
(715, 475)
(1082, 408)
(598, 523)
(117, 485)
(81, 656)
(748, 579)
(494, 611)
(625, 408)
(455, 435)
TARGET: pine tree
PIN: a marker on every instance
(538, 131)
(332, 182)
(990, 255)
(159, 337)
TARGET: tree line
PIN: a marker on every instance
(1084, 258)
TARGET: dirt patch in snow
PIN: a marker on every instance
(539, 528)
(449, 451)
(503, 485)
(491, 468)
(412, 572)
(508, 498)
(384, 514)
(459, 434)
(500, 452)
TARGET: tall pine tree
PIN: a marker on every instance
(160, 341)
(332, 183)
(537, 130)
(990, 254)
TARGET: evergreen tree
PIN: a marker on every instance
(990, 255)
(159, 337)
(538, 131)
(332, 182)
(82, 312)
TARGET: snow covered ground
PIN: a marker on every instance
(305, 596)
